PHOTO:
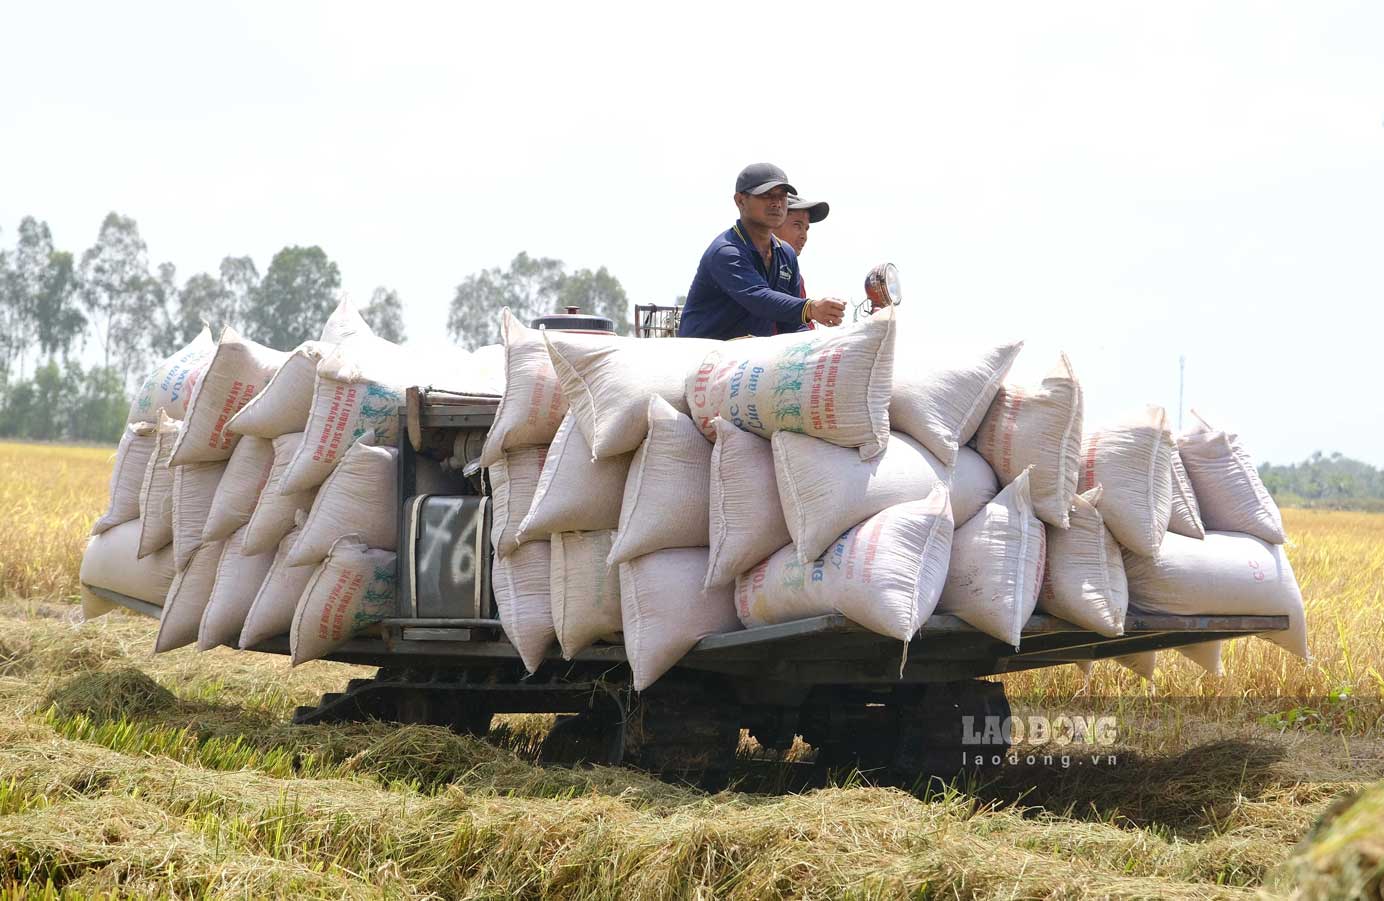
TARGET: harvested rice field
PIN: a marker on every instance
(127, 774)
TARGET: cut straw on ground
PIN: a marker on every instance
(127, 774)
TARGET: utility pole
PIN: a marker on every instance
(1181, 382)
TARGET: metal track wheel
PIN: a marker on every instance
(685, 728)
(906, 737)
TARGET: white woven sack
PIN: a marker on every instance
(1184, 514)
(973, 485)
(745, 519)
(156, 490)
(109, 562)
(997, 565)
(1227, 573)
(237, 372)
(240, 487)
(513, 482)
(884, 574)
(832, 384)
(668, 492)
(585, 590)
(1132, 461)
(607, 382)
(271, 613)
(1084, 576)
(341, 413)
(170, 385)
(1039, 428)
(666, 611)
(1229, 492)
(93, 605)
(1142, 664)
(194, 488)
(448, 368)
(488, 370)
(941, 394)
(348, 593)
(127, 477)
(239, 576)
(358, 388)
(360, 497)
(826, 489)
(1206, 655)
(275, 512)
(574, 493)
(532, 406)
(187, 598)
(345, 322)
(523, 595)
(284, 404)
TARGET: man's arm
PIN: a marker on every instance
(738, 277)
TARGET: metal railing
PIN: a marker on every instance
(653, 321)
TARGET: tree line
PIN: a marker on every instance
(109, 299)
(1326, 480)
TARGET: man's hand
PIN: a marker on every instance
(827, 311)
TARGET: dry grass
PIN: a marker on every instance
(1344, 855)
(1339, 561)
(49, 497)
(126, 774)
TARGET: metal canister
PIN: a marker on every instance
(882, 286)
(573, 320)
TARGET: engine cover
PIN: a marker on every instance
(445, 557)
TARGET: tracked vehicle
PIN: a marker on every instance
(443, 658)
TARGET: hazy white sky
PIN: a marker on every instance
(1128, 183)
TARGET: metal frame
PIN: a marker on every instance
(424, 411)
(820, 650)
(654, 321)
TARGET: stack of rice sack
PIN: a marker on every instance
(275, 502)
(599, 482)
(662, 491)
(616, 474)
(122, 554)
(1125, 523)
(1222, 551)
(527, 420)
(874, 532)
(858, 471)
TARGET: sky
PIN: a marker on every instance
(1130, 184)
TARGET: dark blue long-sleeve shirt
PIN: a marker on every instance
(733, 295)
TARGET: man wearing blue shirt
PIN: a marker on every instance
(747, 282)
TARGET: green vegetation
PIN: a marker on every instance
(1331, 481)
(54, 303)
(531, 287)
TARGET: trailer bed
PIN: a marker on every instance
(820, 649)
